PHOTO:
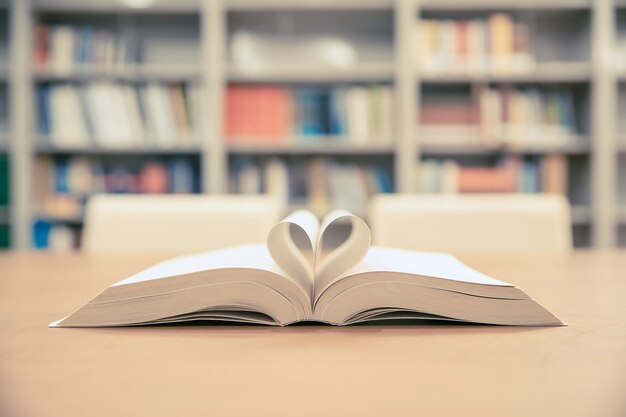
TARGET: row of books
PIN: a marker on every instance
(264, 115)
(64, 184)
(117, 115)
(63, 48)
(547, 174)
(508, 114)
(319, 184)
(497, 43)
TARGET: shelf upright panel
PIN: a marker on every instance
(213, 39)
(603, 104)
(21, 105)
(406, 12)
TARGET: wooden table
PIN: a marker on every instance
(579, 370)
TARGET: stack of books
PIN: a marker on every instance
(113, 115)
(63, 49)
(515, 116)
(495, 44)
(513, 174)
(274, 115)
(319, 184)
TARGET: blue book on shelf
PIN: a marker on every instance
(530, 177)
(309, 104)
(43, 110)
(181, 176)
(85, 46)
(61, 176)
(385, 184)
(41, 232)
(336, 112)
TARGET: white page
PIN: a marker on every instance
(246, 256)
(430, 264)
(286, 254)
(344, 257)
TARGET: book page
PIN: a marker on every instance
(295, 261)
(254, 256)
(346, 255)
(430, 264)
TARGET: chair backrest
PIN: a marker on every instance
(176, 224)
(472, 222)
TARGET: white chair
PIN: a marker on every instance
(176, 224)
(472, 223)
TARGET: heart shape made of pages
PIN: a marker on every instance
(319, 270)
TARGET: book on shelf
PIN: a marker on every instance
(4, 181)
(547, 174)
(63, 185)
(497, 44)
(319, 183)
(117, 115)
(275, 115)
(62, 49)
(280, 283)
(505, 115)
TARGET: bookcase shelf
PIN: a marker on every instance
(189, 44)
(312, 74)
(577, 147)
(315, 149)
(456, 5)
(117, 6)
(94, 150)
(558, 72)
(309, 5)
(142, 73)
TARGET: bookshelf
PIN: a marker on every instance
(209, 47)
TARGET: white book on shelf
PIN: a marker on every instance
(386, 108)
(62, 48)
(357, 110)
(491, 115)
(161, 113)
(133, 114)
(250, 179)
(477, 46)
(68, 123)
(109, 120)
(277, 180)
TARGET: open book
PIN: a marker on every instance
(294, 278)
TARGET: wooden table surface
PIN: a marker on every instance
(423, 370)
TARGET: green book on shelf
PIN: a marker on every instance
(4, 181)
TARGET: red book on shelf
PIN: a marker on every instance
(41, 50)
(154, 179)
(449, 113)
(257, 115)
(462, 41)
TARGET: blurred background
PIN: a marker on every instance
(321, 104)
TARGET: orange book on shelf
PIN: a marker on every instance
(501, 179)
(501, 40)
(554, 174)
